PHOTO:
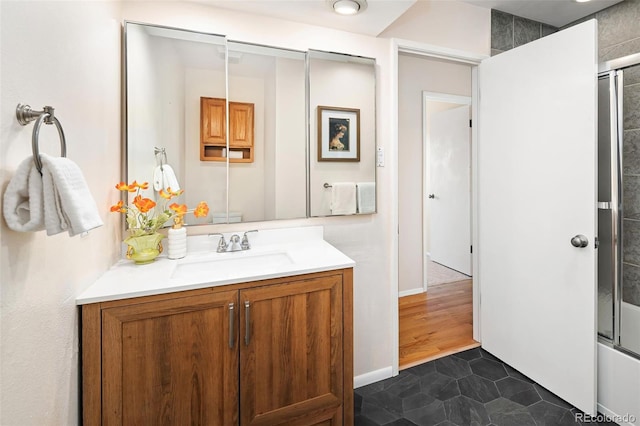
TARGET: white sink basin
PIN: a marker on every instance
(223, 264)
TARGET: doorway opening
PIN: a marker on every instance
(435, 256)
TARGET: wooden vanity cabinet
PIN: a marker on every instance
(169, 362)
(272, 352)
(291, 353)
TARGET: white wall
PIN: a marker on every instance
(67, 55)
(415, 75)
(451, 24)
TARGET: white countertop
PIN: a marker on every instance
(274, 253)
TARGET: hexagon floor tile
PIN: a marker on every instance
(468, 388)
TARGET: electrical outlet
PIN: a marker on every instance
(380, 157)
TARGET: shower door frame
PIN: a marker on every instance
(614, 71)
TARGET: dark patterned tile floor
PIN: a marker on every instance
(468, 388)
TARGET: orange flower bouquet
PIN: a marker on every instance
(145, 217)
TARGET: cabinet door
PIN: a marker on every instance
(213, 121)
(241, 125)
(171, 362)
(291, 353)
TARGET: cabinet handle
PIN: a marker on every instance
(247, 332)
(231, 321)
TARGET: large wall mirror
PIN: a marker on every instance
(236, 124)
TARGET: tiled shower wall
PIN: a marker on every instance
(618, 30)
(509, 31)
(618, 35)
(631, 186)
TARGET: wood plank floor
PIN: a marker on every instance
(436, 323)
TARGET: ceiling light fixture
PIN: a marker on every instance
(349, 7)
(581, 1)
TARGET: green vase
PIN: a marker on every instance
(144, 248)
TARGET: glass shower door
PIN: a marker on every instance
(606, 230)
(619, 203)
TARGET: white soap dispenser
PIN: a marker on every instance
(177, 238)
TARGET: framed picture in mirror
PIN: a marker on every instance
(338, 134)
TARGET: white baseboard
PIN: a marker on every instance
(372, 377)
(411, 292)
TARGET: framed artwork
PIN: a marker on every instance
(338, 134)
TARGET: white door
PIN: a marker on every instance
(536, 191)
(449, 191)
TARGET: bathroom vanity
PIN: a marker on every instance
(258, 337)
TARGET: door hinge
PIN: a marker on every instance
(471, 249)
(597, 243)
(470, 123)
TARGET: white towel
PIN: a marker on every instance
(343, 198)
(23, 207)
(169, 178)
(68, 204)
(157, 179)
(366, 195)
(164, 177)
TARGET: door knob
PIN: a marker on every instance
(579, 241)
(432, 195)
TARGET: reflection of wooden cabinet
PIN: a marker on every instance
(213, 131)
(263, 353)
(213, 121)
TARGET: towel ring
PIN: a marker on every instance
(162, 151)
(25, 115)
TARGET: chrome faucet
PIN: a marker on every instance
(234, 242)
